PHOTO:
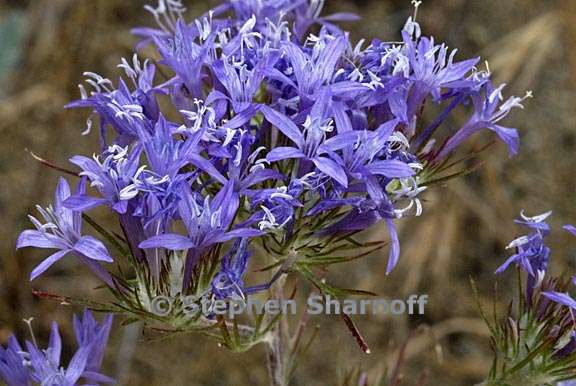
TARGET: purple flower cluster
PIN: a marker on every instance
(539, 340)
(29, 365)
(263, 122)
(532, 254)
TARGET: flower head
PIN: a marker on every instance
(62, 230)
(23, 366)
(270, 133)
(531, 252)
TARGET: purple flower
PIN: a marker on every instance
(13, 370)
(124, 111)
(369, 160)
(166, 156)
(487, 113)
(430, 68)
(233, 162)
(114, 177)
(267, 130)
(89, 332)
(186, 56)
(207, 223)
(366, 213)
(24, 366)
(228, 282)
(531, 252)
(315, 67)
(312, 145)
(62, 230)
(241, 82)
(276, 206)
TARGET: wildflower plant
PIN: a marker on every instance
(26, 365)
(535, 341)
(258, 135)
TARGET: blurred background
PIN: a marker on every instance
(45, 45)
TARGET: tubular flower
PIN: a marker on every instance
(276, 133)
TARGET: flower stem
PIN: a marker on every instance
(278, 343)
(275, 364)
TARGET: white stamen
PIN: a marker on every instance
(535, 219)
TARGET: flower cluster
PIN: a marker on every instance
(531, 252)
(30, 365)
(537, 344)
(260, 126)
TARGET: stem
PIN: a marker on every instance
(275, 362)
(278, 366)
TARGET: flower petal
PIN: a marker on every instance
(332, 169)
(509, 137)
(344, 140)
(240, 232)
(570, 228)
(62, 192)
(394, 246)
(391, 169)
(281, 153)
(284, 124)
(510, 260)
(55, 344)
(83, 202)
(169, 241)
(561, 298)
(97, 378)
(33, 238)
(78, 364)
(259, 176)
(93, 249)
(206, 166)
(47, 263)
(241, 118)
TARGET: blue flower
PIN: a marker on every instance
(430, 68)
(488, 113)
(114, 177)
(315, 67)
(265, 125)
(241, 82)
(207, 223)
(13, 370)
(312, 145)
(62, 230)
(24, 366)
(124, 111)
(370, 159)
(531, 253)
(89, 332)
(228, 282)
(187, 56)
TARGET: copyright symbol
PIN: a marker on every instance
(161, 306)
